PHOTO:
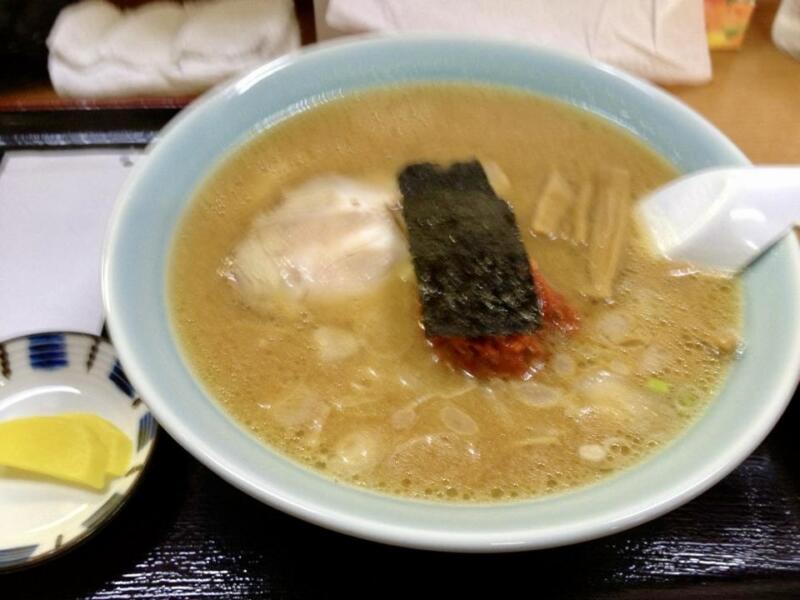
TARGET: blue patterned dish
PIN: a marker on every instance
(49, 374)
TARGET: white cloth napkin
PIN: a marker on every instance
(661, 40)
(54, 208)
(166, 48)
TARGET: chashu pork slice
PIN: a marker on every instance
(332, 236)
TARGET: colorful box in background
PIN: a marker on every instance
(726, 22)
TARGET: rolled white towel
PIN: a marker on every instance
(164, 48)
(106, 79)
(145, 36)
(221, 39)
(78, 29)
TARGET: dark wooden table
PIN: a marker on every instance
(188, 534)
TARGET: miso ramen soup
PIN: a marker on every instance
(297, 300)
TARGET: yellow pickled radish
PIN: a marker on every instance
(54, 446)
(117, 443)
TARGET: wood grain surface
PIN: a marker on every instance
(754, 97)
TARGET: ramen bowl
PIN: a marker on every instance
(757, 389)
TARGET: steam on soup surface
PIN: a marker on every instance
(295, 300)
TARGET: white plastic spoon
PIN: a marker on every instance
(722, 219)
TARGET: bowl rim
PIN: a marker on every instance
(315, 510)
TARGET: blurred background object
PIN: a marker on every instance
(727, 22)
(163, 48)
(24, 25)
(25, 85)
(217, 42)
(660, 40)
(786, 27)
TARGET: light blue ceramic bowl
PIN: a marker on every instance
(755, 394)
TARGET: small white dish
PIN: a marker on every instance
(50, 374)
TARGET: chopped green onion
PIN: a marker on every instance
(659, 386)
(684, 403)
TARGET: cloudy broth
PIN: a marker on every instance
(388, 414)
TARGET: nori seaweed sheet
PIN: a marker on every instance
(472, 269)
